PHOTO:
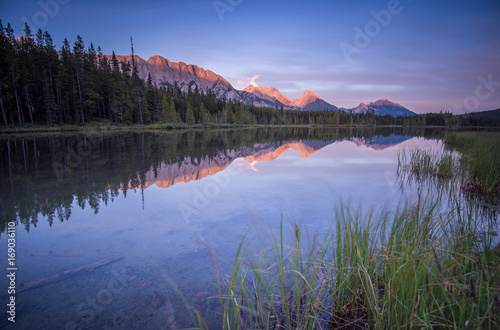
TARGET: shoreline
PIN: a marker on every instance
(102, 127)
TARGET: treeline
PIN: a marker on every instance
(78, 84)
(484, 118)
(40, 85)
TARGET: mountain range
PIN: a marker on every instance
(166, 73)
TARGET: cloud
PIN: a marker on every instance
(248, 81)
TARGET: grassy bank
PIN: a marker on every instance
(415, 268)
(109, 126)
(470, 161)
(114, 128)
(106, 125)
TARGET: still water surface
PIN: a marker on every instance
(159, 201)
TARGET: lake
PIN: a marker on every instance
(153, 207)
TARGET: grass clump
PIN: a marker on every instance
(430, 163)
(480, 157)
(416, 267)
(469, 160)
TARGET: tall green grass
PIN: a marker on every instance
(413, 268)
(480, 157)
(282, 286)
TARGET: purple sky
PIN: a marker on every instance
(426, 55)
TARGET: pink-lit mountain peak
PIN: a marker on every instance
(362, 107)
(307, 98)
(270, 92)
(309, 95)
(157, 59)
(250, 88)
(383, 107)
(383, 102)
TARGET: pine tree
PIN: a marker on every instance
(174, 115)
(190, 114)
(204, 113)
(3, 72)
(165, 115)
(67, 99)
(151, 99)
(146, 113)
(136, 84)
(51, 60)
(115, 83)
(78, 52)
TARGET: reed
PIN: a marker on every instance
(416, 267)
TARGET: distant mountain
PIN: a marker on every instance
(311, 101)
(382, 107)
(166, 73)
(308, 100)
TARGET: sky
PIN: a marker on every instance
(426, 55)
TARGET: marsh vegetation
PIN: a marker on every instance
(430, 264)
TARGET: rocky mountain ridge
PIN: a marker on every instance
(382, 107)
(166, 73)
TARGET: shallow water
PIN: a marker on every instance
(165, 201)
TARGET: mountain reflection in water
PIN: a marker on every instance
(46, 174)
